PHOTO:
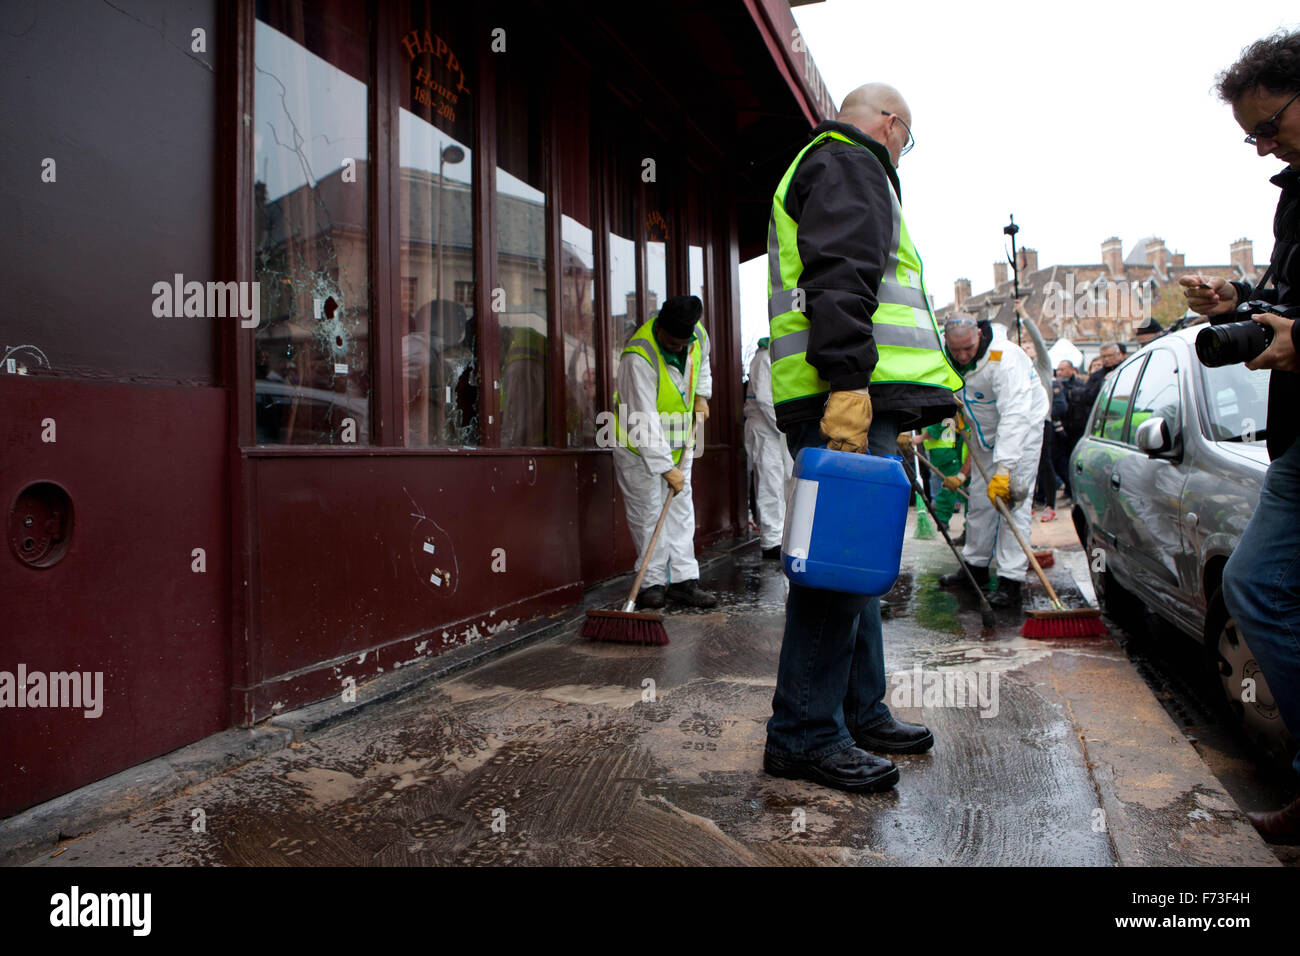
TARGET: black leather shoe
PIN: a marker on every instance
(895, 737)
(1006, 594)
(651, 597)
(851, 769)
(690, 592)
(958, 578)
(772, 552)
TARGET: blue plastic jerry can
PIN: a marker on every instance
(844, 521)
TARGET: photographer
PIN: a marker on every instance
(1261, 583)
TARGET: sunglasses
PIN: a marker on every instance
(1268, 128)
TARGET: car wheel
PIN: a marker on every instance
(1238, 672)
(1111, 597)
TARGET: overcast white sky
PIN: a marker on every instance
(1084, 120)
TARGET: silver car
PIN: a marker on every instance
(1165, 478)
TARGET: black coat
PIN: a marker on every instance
(1283, 387)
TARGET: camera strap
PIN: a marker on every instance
(1263, 281)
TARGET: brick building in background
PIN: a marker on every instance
(1102, 301)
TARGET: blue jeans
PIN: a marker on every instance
(830, 682)
(1261, 586)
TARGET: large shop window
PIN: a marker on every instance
(520, 298)
(312, 229)
(577, 273)
(436, 186)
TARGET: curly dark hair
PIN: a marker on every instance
(1273, 63)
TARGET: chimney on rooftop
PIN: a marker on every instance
(1027, 260)
(960, 292)
(1157, 255)
(1180, 260)
(1112, 256)
(999, 274)
(1242, 255)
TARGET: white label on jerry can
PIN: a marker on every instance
(799, 518)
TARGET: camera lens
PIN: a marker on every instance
(1219, 345)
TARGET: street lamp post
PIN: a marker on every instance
(1010, 230)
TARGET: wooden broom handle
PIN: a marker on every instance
(1002, 509)
(939, 473)
(650, 548)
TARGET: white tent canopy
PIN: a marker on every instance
(1065, 351)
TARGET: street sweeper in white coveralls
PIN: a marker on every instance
(1003, 404)
(768, 453)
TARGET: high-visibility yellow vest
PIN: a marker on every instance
(676, 408)
(903, 326)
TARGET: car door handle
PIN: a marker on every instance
(1114, 481)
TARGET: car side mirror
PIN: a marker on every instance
(1153, 437)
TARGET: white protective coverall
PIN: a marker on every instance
(640, 477)
(1004, 405)
(768, 453)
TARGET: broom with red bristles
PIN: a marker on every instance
(1059, 621)
(630, 626)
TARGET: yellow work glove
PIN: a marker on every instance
(676, 480)
(953, 482)
(702, 406)
(904, 442)
(846, 420)
(1000, 487)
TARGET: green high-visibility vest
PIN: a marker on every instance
(676, 408)
(903, 326)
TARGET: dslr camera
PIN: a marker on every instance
(1227, 342)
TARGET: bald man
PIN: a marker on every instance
(856, 361)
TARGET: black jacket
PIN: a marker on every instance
(839, 196)
(1283, 387)
(1076, 415)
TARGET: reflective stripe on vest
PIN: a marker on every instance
(904, 329)
(676, 411)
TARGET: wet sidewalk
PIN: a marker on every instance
(572, 752)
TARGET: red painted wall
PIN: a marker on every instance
(145, 469)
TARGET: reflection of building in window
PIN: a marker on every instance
(408, 296)
(465, 293)
(312, 247)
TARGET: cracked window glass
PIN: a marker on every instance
(521, 256)
(436, 187)
(311, 221)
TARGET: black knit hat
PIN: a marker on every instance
(679, 315)
(1150, 326)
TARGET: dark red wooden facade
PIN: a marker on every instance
(215, 581)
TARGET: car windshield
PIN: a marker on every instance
(1237, 401)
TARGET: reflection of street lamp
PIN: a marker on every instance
(451, 154)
